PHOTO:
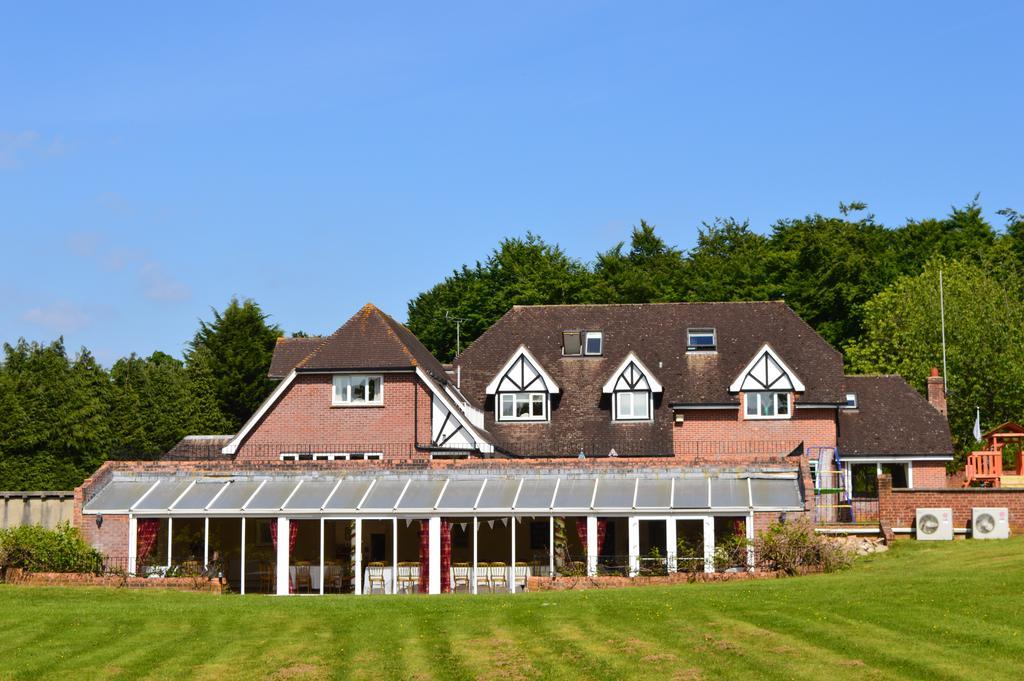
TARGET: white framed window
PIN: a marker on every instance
(358, 390)
(851, 401)
(339, 456)
(526, 406)
(633, 405)
(701, 340)
(593, 343)
(767, 405)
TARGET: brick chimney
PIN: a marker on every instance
(937, 391)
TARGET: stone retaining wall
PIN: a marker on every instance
(616, 582)
(18, 576)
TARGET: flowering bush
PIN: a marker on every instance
(793, 546)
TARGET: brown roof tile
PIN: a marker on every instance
(891, 419)
(290, 351)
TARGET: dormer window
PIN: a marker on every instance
(701, 340)
(767, 385)
(580, 343)
(851, 401)
(522, 389)
(632, 387)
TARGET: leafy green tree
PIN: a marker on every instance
(730, 262)
(902, 335)
(650, 272)
(238, 345)
(519, 272)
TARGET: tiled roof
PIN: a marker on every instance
(369, 340)
(891, 419)
(657, 333)
(290, 351)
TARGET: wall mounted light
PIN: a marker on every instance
(99, 520)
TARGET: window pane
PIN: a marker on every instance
(624, 402)
(358, 388)
(373, 389)
(640, 405)
(341, 388)
(506, 405)
(538, 405)
(898, 471)
(594, 343)
(571, 342)
(751, 404)
(767, 408)
(782, 400)
(522, 405)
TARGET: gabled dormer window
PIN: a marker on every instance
(522, 389)
(767, 385)
(632, 387)
(357, 390)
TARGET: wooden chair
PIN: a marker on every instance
(303, 580)
(375, 571)
(483, 576)
(266, 577)
(190, 568)
(498, 573)
(408, 577)
(460, 576)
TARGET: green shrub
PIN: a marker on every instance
(36, 549)
(793, 546)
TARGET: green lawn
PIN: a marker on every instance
(930, 611)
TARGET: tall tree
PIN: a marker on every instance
(519, 272)
(902, 335)
(730, 262)
(650, 272)
(238, 344)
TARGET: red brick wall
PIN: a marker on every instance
(110, 539)
(303, 416)
(725, 426)
(930, 474)
(898, 508)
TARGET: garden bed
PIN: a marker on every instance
(19, 576)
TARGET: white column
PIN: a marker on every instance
(241, 571)
(670, 544)
(634, 546)
(709, 543)
(750, 541)
(512, 564)
(476, 533)
(358, 548)
(551, 547)
(591, 545)
(206, 543)
(322, 575)
(283, 557)
(434, 543)
(170, 536)
(133, 535)
(394, 555)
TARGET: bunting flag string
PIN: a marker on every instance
(504, 521)
(490, 523)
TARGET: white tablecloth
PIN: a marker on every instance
(388, 570)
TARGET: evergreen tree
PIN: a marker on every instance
(238, 344)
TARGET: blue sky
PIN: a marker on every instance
(156, 161)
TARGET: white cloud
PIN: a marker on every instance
(158, 285)
(62, 317)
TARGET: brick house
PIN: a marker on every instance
(622, 439)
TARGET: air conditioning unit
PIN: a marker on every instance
(990, 523)
(934, 524)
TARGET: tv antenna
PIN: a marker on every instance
(458, 330)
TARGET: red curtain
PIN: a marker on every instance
(602, 530)
(581, 530)
(446, 556)
(424, 556)
(145, 539)
(293, 533)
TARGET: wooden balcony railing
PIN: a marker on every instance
(984, 467)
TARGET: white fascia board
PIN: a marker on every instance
(609, 386)
(908, 458)
(492, 387)
(482, 442)
(240, 436)
(798, 386)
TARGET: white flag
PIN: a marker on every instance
(977, 425)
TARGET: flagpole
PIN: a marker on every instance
(942, 317)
